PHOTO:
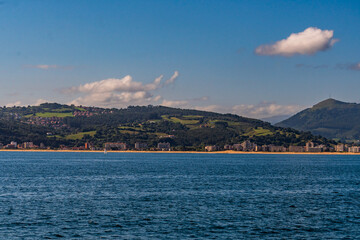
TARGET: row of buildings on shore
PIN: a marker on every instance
(120, 146)
(346, 148)
(24, 145)
(245, 146)
(248, 146)
(161, 146)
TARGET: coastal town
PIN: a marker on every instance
(53, 126)
(248, 146)
(57, 121)
(245, 146)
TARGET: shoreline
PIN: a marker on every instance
(189, 152)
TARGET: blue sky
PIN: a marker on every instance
(109, 53)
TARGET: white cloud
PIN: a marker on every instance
(116, 92)
(17, 103)
(187, 103)
(172, 79)
(214, 108)
(178, 103)
(308, 42)
(258, 111)
(157, 98)
(109, 99)
(125, 84)
(266, 109)
(40, 101)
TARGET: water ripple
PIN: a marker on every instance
(178, 196)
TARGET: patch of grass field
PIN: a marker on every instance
(178, 120)
(259, 132)
(56, 136)
(184, 121)
(63, 110)
(159, 134)
(79, 135)
(55, 114)
(80, 109)
(165, 117)
(230, 123)
(262, 132)
(193, 116)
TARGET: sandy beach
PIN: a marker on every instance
(189, 152)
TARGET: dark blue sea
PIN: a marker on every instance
(178, 196)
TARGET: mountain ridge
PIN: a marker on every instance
(186, 129)
(330, 118)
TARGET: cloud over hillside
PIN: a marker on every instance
(118, 92)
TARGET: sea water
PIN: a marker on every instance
(178, 196)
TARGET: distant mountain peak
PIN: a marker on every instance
(328, 103)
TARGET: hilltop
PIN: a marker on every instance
(56, 124)
(330, 118)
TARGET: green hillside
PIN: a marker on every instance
(55, 124)
(330, 118)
